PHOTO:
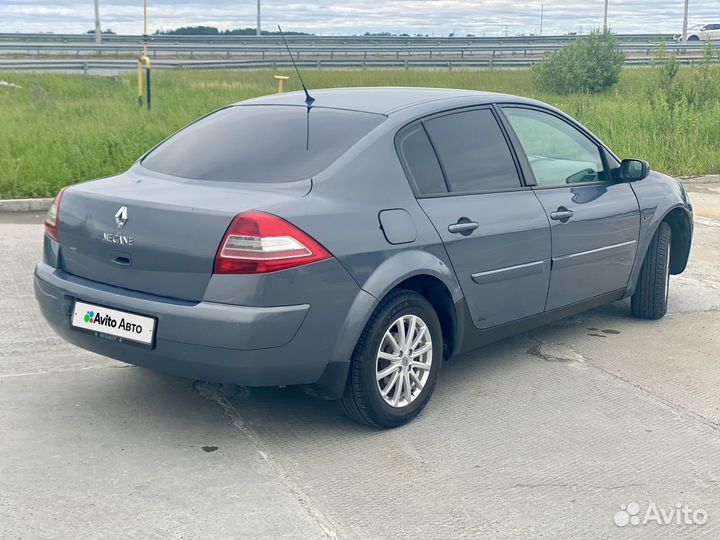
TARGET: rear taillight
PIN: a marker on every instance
(53, 216)
(257, 243)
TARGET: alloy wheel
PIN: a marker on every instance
(403, 361)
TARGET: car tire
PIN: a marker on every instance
(694, 38)
(363, 399)
(651, 294)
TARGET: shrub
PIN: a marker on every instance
(667, 66)
(704, 88)
(668, 88)
(591, 64)
(699, 89)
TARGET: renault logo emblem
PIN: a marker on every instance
(121, 217)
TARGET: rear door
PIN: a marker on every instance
(494, 229)
(595, 222)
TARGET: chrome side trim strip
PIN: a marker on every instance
(592, 255)
(510, 272)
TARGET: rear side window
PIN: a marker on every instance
(420, 162)
(473, 151)
(261, 143)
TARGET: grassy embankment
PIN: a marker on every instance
(62, 129)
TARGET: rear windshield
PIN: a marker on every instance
(261, 143)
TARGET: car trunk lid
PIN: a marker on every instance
(154, 233)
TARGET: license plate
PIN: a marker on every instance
(113, 322)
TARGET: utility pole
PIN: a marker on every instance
(258, 32)
(685, 21)
(144, 62)
(542, 13)
(605, 25)
(98, 31)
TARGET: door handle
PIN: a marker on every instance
(562, 214)
(464, 226)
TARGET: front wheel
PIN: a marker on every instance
(395, 363)
(650, 300)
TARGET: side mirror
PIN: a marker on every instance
(633, 170)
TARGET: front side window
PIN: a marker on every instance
(558, 153)
(473, 151)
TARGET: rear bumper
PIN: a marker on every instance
(250, 346)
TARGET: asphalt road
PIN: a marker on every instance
(545, 434)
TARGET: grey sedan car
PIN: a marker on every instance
(353, 244)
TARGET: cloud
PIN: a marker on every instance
(434, 17)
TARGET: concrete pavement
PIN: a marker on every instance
(545, 434)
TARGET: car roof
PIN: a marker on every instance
(378, 100)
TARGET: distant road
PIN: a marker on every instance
(116, 38)
(43, 52)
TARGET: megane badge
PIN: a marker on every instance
(121, 217)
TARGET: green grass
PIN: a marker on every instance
(62, 129)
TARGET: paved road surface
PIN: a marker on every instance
(544, 434)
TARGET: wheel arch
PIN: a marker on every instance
(436, 283)
(405, 265)
(679, 217)
(437, 293)
(681, 227)
(419, 271)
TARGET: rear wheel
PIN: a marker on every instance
(651, 294)
(395, 363)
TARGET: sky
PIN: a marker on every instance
(338, 17)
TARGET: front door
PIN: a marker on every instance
(594, 221)
(495, 231)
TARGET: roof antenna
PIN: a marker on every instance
(309, 100)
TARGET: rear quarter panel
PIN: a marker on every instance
(342, 212)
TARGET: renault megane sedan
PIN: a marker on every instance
(352, 244)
